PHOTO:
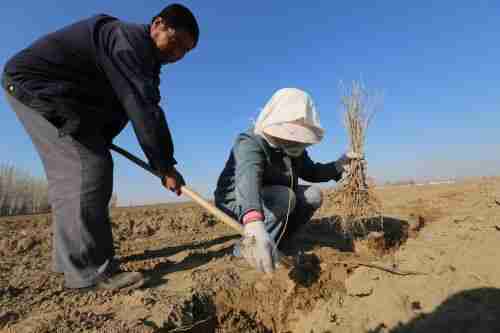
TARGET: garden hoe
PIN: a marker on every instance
(196, 198)
(295, 264)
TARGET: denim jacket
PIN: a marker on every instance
(253, 164)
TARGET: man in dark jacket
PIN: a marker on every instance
(74, 90)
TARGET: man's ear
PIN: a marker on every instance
(170, 31)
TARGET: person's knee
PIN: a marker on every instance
(313, 197)
(279, 199)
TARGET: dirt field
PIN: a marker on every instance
(440, 246)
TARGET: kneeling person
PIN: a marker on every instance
(259, 184)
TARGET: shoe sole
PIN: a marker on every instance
(133, 286)
(96, 288)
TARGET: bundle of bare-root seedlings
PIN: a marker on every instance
(354, 198)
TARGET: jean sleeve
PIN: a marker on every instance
(318, 172)
(249, 168)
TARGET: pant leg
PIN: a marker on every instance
(95, 250)
(57, 260)
(308, 200)
(277, 202)
(80, 178)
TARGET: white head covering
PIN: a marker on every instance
(290, 114)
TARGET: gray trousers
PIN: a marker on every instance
(80, 179)
(278, 201)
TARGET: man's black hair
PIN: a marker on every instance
(178, 16)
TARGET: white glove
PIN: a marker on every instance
(343, 163)
(258, 248)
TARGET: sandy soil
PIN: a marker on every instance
(439, 246)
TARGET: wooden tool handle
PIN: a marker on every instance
(185, 190)
(212, 209)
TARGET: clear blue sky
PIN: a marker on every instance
(436, 62)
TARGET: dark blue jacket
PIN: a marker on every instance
(253, 164)
(94, 76)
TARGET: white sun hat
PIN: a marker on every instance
(290, 114)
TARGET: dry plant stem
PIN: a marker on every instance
(356, 201)
(381, 267)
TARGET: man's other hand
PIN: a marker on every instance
(173, 180)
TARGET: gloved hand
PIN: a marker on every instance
(343, 163)
(258, 248)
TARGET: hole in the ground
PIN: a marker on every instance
(306, 270)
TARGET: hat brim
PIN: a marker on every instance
(295, 132)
